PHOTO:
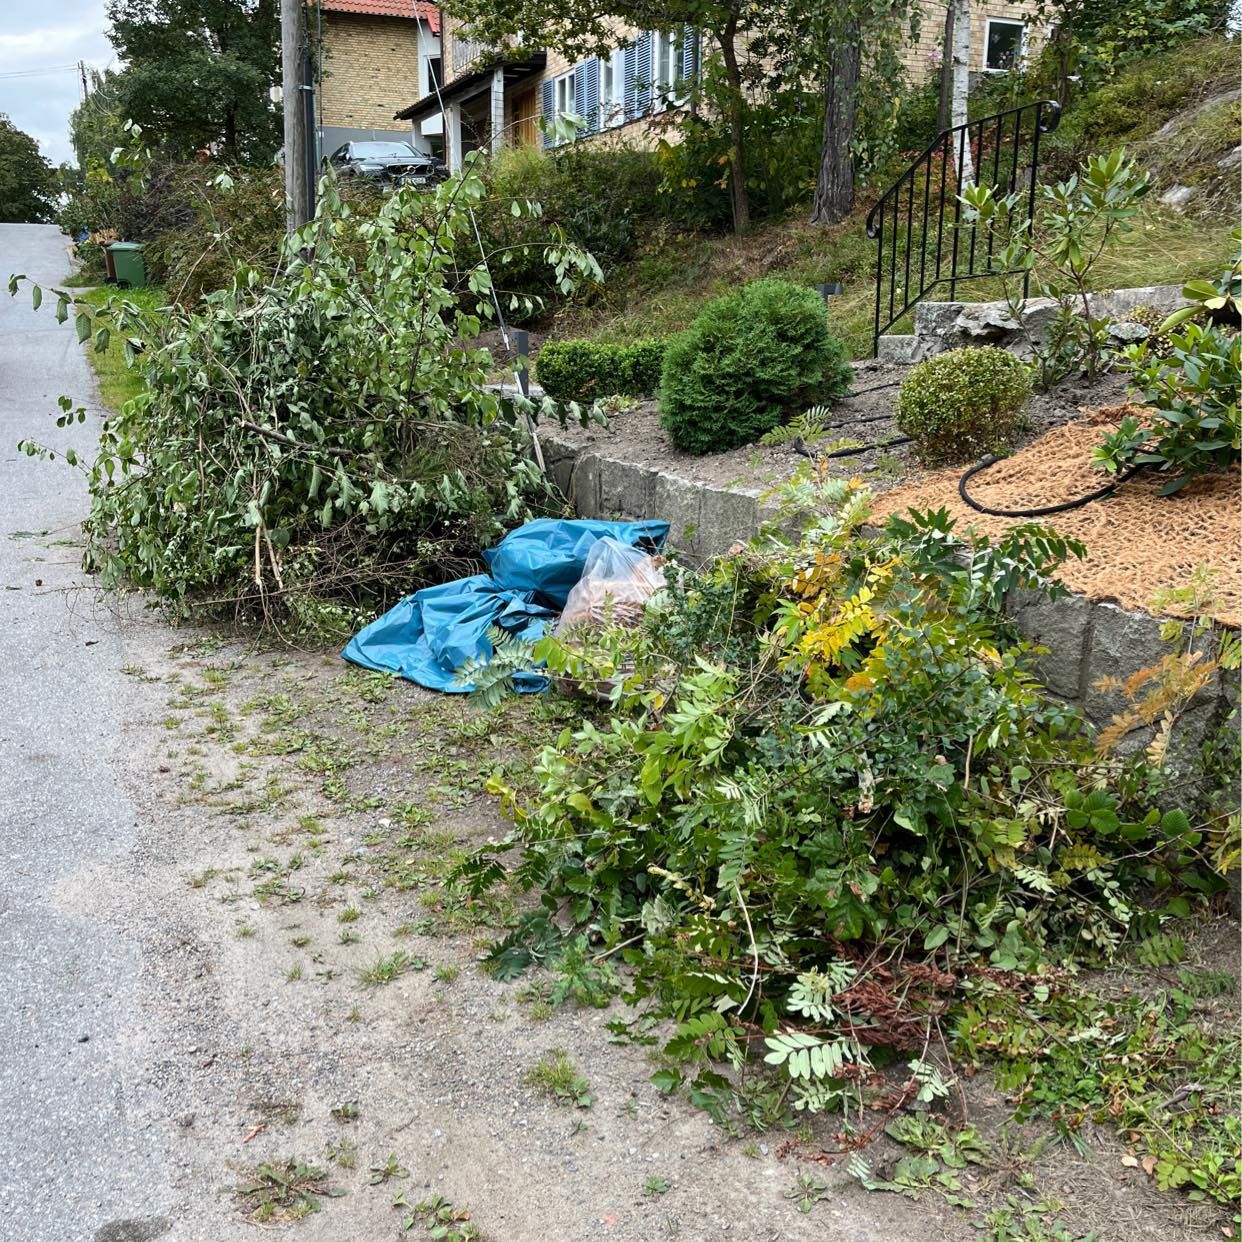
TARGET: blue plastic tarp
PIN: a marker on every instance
(429, 635)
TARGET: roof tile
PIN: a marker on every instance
(387, 8)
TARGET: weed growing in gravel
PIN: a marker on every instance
(386, 969)
(346, 1110)
(655, 1186)
(446, 973)
(342, 1152)
(391, 1168)
(556, 1075)
(284, 1190)
(442, 1219)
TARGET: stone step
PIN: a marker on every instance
(899, 350)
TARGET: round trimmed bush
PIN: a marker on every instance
(751, 359)
(958, 406)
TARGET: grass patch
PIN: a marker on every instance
(386, 969)
(556, 1075)
(663, 291)
(119, 383)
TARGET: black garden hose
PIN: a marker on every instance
(991, 459)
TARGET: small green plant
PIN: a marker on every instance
(441, 1219)
(557, 1076)
(1193, 388)
(589, 370)
(959, 405)
(284, 1190)
(390, 1169)
(1076, 221)
(446, 972)
(655, 1186)
(346, 1110)
(811, 427)
(750, 360)
(386, 969)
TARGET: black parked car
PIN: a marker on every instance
(390, 163)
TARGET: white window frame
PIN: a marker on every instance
(564, 100)
(612, 90)
(1020, 50)
(666, 44)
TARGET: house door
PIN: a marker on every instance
(523, 114)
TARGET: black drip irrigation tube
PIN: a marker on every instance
(799, 446)
(991, 459)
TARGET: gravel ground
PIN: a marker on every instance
(864, 419)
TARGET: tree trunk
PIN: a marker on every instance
(834, 186)
(727, 38)
(230, 136)
(962, 154)
(944, 109)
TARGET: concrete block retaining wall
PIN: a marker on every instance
(1086, 641)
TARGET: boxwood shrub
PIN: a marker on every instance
(962, 404)
(750, 360)
(585, 370)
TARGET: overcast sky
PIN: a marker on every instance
(50, 37)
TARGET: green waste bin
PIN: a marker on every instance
(130, 269)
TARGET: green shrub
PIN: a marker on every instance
(960, 405)
(598, 198)
(585, 370)
(751, 359)
(285, 456)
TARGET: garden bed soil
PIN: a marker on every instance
(1138, 542)
(635, 435)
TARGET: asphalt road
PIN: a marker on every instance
(80, 1156)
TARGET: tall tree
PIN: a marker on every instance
(959, 110)
(96, 125)
(199, 73)
(578, 28)
(833, 45)
(28, 183)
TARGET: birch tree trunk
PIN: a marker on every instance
(961, 89)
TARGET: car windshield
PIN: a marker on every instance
(380, 150)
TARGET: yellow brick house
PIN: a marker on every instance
(372, 55)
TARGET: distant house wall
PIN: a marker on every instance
(922, 59)
(371, 65)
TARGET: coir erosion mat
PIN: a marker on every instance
(1138, 541)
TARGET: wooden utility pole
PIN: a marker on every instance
(291, 55)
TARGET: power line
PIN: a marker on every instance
(35, 73)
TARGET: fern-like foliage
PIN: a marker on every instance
(490, 680)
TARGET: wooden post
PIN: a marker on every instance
(291, 52)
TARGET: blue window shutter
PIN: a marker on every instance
(630, 69)
(591, 74)
(549, 109)
(580, 100)
(644, 70)
(690, 55)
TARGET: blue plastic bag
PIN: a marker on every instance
(429, 635)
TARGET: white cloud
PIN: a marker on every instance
(45, 55)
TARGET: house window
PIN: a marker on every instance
(1003, 49)
(666, 67)
(564, 99)
(612, 86)
(434, 78)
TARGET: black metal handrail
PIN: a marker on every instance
(1004, 151)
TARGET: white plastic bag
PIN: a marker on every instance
(617, 581)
